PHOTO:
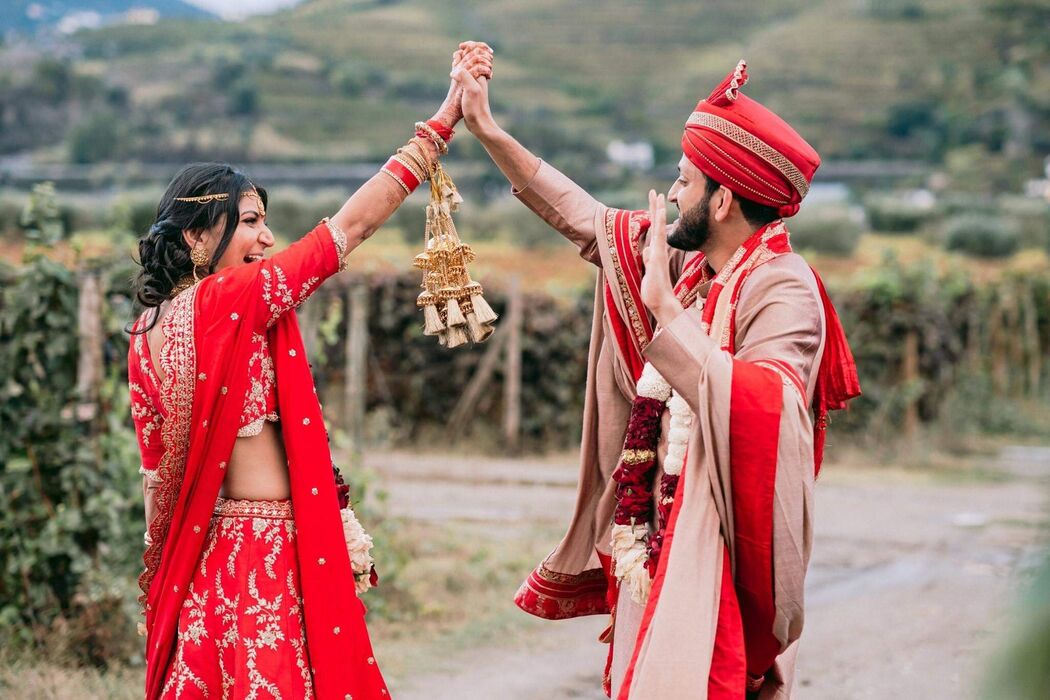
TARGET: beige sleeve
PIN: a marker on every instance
(679, 352)
(778, 318)
(565, 206)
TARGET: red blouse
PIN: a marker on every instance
(289, 278)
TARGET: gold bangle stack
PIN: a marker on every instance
(412, 156)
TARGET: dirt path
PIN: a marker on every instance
(910, 578)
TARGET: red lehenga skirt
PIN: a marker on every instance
(241, 626)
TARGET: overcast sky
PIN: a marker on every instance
(235, 9)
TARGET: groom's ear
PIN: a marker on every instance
(722, 204)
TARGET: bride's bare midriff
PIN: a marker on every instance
(258, 467)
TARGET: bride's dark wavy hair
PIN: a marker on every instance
(164, 255)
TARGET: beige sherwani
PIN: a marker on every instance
(779, 317)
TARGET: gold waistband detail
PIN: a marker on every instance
(240, 508)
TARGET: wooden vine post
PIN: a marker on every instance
(512, 368)
(356, 369)
(909, 376)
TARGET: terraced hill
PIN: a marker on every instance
(332, 79)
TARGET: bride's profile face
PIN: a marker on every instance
(250, 240)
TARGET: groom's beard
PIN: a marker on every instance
(693, 229)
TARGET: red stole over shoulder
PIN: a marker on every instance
(205, 355)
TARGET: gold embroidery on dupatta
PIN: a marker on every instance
(687, 295)
(634, 231)
(788, 382)
(178, 361)
(730, 277)
(722, 304)
(566, 607)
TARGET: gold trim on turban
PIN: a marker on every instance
(754, 144)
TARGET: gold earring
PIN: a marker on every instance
(200, 258)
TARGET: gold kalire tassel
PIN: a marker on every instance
(453, 307)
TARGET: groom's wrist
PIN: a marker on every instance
(488, 131)
(667, 310)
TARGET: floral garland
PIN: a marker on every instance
(358, 542)
(359, 547)
(635, 549)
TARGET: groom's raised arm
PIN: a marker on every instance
(542, 188)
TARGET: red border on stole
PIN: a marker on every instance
(754, 437)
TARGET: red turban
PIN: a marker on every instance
(747, 148)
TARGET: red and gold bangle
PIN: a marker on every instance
(401, 174)
(445, 132)
(425, 130)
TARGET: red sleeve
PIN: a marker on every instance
(289, 277)
(144, 412)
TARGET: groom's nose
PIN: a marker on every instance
(672, 194)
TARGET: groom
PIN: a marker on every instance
(715, 357)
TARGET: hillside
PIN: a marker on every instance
(338, 80)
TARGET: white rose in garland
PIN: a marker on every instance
(359, 547)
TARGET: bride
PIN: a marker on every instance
(248, 585)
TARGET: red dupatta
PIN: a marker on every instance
(207, 344)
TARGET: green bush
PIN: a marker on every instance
(982, 236)
(243, 96)
(1032, 217)
(834, 229)
(972, 407)
(955, 203)
(888, 213)
(10, 212)
(69, 504)
(895, 9)
(42, 219)
(352, 78)
(503, 219)
(96, 139)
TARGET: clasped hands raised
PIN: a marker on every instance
(472, 61)
(471, 71)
